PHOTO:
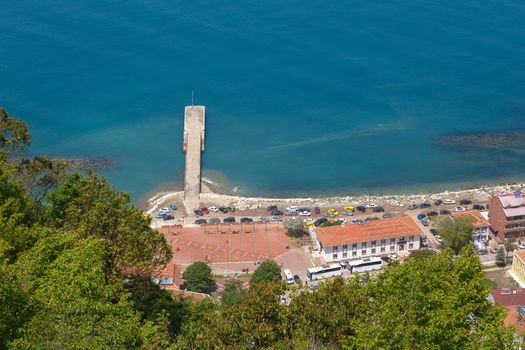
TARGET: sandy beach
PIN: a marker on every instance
(209, 197)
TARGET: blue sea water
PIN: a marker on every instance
(302, 97)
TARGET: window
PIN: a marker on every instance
(383, 242)
(345, 248)
(354, 246)
(401, 246)
(382, 249)
(410, 245)
(345, 254)
(411, 238)
(373, 244)
(373, 250)
(335, 251)
(363, 248)
(354, 253)
(392, 248)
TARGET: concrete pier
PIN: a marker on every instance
(194, 117)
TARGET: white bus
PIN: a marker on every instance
(288, 277)
(323, 271)
(365, 264)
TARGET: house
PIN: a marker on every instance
(513, 300)
(507, 215)
(373, 238)
(481, 225)
(518, 267)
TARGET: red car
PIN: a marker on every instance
(205, 211)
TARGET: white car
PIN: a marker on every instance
(343, 220)
(522, 245)
(213, 209)
(305, 213)
(456, 209)
(164, 210)
(292, 208)
(371, 205)
(449, 201)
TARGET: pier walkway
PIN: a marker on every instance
(194, 118)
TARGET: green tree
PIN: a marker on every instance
(14, 136)
(509, 245)
(501, 257)
(198, 278)
(456, 233)
(233, 292)
(295, 227)
(268, 271)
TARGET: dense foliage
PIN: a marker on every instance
(295, 227)
(268, 271)
(198, 278)
(456, 232)
(76, 256)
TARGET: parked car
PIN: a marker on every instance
(277, 213)
(456, 209)
(465, 202)
(425, 222)
(444, 212)
(438, 202)
(433, 231)
(425, 205)
(164, 210)
(522, 245)
(357, 221)
(200, 221)
(223, 210)
(449, 201)
(245, 220)
(378, 209)
(423, 238)
(429, 246)
(361, 208)
(198, 212)
(347, 212)
(305, 212)
(263, 219)
(317, 210)
(276, 219)
(160, 215)
(297, 279)
(478, 207)
(205, 210)
(413, 206)
(432, 213)
(213, 209)
(173, 206)
(371, 205)
(292, 208)
(271, 207)
(349, 208)
(168, 217)
(421, 216)
(290, 212)
(320, 221)
(229, 219)
(215, 221)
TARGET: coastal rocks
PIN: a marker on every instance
(480, 194)
(94, 163)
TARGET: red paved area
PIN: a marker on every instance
(227, 243)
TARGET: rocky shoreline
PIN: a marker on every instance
(208, 197)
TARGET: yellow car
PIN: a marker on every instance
(310, 224)
(333, 212)
(349, 208)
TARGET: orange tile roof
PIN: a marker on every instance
(513, 319)
(479, 220)
(372, 230)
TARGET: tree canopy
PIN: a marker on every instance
(268, 271)
(456, 232)
(295, 227)
(198, 278)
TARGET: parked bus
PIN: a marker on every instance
(365, 264)
(288, 277)
(324, 271)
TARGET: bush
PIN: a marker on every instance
(197, 278)
(295, 227)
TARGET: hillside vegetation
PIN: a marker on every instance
(75, 256)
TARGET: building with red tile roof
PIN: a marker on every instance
(513, 300)
(372, 238)
(481, 225)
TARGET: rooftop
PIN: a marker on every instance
(513, 204)
(509, 296)
(479, 220)
(514, 319)
(372, 230)
(520, 254)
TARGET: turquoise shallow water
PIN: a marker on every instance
(301, 97)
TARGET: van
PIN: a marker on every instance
(288, 277)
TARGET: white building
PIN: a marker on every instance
(480, 224)
(373, 238)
